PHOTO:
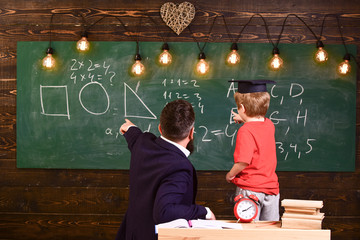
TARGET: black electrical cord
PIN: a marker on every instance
(265, 25)
(208, 36)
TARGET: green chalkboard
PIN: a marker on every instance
(70, 117)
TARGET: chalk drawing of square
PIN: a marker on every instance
(54, 101)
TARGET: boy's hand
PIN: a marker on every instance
(229, 177)
(235, 170)
(126, 126)
(236, 117)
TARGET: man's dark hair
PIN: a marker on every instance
(176, 120)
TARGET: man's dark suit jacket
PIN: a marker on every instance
(163, 186)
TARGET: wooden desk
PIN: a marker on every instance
(258, 230)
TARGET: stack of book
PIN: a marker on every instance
(302, 214)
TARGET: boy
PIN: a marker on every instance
(255, 152)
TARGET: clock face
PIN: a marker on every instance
(246, 209)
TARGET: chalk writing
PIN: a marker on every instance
(183, 89)
(207, 135)
(295, 148)
(87, 68)
(296, 91)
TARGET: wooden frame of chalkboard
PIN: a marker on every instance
(69, 117)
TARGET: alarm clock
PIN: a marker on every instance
(246, 208)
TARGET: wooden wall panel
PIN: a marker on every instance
(59, 226)
(90, 204)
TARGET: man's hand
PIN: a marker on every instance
(125, 126)
(210, 215)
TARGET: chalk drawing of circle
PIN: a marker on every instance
(93, 96)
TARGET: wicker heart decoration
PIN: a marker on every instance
(177, 17)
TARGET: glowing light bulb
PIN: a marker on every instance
(233, 57)
(321, 55)
(276, 62)
(165, 57)
(48, 62)
(202, 67)
(137, 68)
(344, 67)
(83, 44)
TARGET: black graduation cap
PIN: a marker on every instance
(250, 86)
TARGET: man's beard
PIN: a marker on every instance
(190, 146)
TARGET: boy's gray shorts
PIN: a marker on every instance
(269, 204)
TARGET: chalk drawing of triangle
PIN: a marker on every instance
(148, 113)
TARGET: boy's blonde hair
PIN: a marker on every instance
(256, 104)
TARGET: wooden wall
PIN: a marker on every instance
(90, 204)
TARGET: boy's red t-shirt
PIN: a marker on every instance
(255, 145)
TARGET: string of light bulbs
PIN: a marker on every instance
(138, 68)
(275, 62)
(83, 44)
(344, 67)
(48, 61)
(165, 57)
(202, 67)
(233, 58)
